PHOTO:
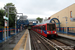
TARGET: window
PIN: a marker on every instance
(70, 14)
(43, 27)
(51, 27)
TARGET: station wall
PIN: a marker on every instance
(69, 12)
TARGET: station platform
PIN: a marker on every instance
(20, 41)
(24, 42)
(66, 36)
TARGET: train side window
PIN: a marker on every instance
(39, 27)
(44, 27)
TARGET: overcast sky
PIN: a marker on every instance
(38, 8)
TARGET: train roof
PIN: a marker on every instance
(48, 21)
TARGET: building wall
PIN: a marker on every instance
(63, 13)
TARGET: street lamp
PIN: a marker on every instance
(7, 10)
(15, 21)
(4, 17)
(66, 23)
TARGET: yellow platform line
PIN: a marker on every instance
(25, 43)
(18, 45)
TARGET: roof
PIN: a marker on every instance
(32, 20)
(48, 21)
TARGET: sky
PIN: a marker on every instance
(38, 8)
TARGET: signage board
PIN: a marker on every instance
(72, 19)
(30, 23)
(4, 17)
(5, 23)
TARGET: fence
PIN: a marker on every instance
(70, 30)
(11, 33)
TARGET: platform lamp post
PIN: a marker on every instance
(7, 10)
(15, 22)
(66, 23)
(5, 25)
(16, 19)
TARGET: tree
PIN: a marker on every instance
(39, 19)
(1, 18)
(11, 16)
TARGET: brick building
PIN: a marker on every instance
(69, 12)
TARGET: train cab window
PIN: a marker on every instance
(51, 27)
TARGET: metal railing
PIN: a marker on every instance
(70, 30)
(11, 33)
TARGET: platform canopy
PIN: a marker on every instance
(23, 17)
(32, 20)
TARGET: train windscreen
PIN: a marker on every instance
(51, 27)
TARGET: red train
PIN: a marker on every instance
(47, 30)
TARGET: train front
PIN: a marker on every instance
(51, 30)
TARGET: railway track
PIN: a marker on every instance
(66, 40)
(38, 44)
(47, 44)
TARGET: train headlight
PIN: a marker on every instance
(47, 32)
(55, 32)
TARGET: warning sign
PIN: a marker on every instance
(5, 23)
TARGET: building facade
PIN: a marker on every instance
(68, 12)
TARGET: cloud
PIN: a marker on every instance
(1, 4)
(34, 16)
(41, 8)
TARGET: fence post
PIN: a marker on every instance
(16, 30)
(13, 29)
(59, 28)
(63, 29)
(9, 32)
(1, 34)
(67, 29)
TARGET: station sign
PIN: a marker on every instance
(72, 19)
(30, 23)
(5, 23)
(4, 17)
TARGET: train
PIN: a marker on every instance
(46, 29)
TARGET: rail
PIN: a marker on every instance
(11, 32)
(56, 44)
(38, 43)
